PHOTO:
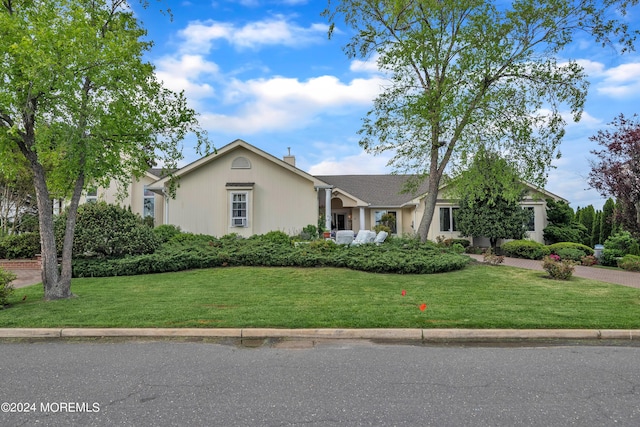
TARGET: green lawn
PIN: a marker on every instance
(479, 296)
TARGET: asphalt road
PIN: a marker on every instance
(339, 383)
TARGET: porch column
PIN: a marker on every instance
(362, 219)
(327, 208)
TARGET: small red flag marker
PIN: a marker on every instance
(403, 292)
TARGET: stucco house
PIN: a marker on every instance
(242, 189)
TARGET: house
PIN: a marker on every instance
(242, 189)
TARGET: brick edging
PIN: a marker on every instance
(22, 264)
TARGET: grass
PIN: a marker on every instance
(479, 296)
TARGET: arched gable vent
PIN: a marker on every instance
(241, 163)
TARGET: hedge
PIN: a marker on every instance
(525, 249)
(185, 251)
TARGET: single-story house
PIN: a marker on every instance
(242, 189)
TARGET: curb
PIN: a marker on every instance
(420, 335)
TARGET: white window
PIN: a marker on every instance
(149, 202)
(239, 209)
(92, 195)
(531, 223)
(378, 218)
(448, 219)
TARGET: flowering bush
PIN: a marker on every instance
(589, 260)
(558, 269)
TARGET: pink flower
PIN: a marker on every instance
(403, 292)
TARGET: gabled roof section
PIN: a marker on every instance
(238, 143)
(377, 190)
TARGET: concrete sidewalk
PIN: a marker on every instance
(619, 277)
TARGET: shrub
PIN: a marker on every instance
(570, 254)
(309, 232)
(630, 262)
(493, 259)
(378, 228)
(25, 245)
(558, 269)
(622, 242)
(457, 248)
(278, 237)
(105, 230)
(166, 232)
(610, 257)
(564, 233)
(476, 250)
(525, 249)
(588, 260)
(556, 247)
(187, 251)
(6, 277)
(450, 242)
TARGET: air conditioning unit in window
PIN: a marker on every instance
(239, 222)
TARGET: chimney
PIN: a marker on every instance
(289, 158)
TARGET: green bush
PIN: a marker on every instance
(630, 262)
(25, 245)
(610, 257)
(622, 242)
(309, 232)
(564, 233)
(186, 251)
(278, 237)
(6, 277)
(166, 232)
(570, 254)
(450, 242)
(559, 270)
(104, 230)
(570, 248)
(525, 249)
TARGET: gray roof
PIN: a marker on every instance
(377, 190)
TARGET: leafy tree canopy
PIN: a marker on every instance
(490, 193)
(470, 73)
(617, 171)
(81, 105)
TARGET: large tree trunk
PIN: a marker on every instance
(53, 287)
(429, 208)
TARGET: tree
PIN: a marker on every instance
(82, 107)
(586, 218)
(617, 172)
(17, 199)
(462, 73)
(563, 226)
(490, 192)
(606, 222)
(595, 230)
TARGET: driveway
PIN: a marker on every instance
(619, 277)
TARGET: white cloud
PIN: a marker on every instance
(199, 35)
(368, 66)
(185, 72)
(281, 103)
(361, 163)
(622, 81)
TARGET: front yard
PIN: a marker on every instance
(479, 296)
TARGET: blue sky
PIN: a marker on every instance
(264, 71)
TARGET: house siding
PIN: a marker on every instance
(279, 199)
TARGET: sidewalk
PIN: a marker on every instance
(618, 277)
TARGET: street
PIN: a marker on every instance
(334, 383)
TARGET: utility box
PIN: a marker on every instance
(597, 251)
